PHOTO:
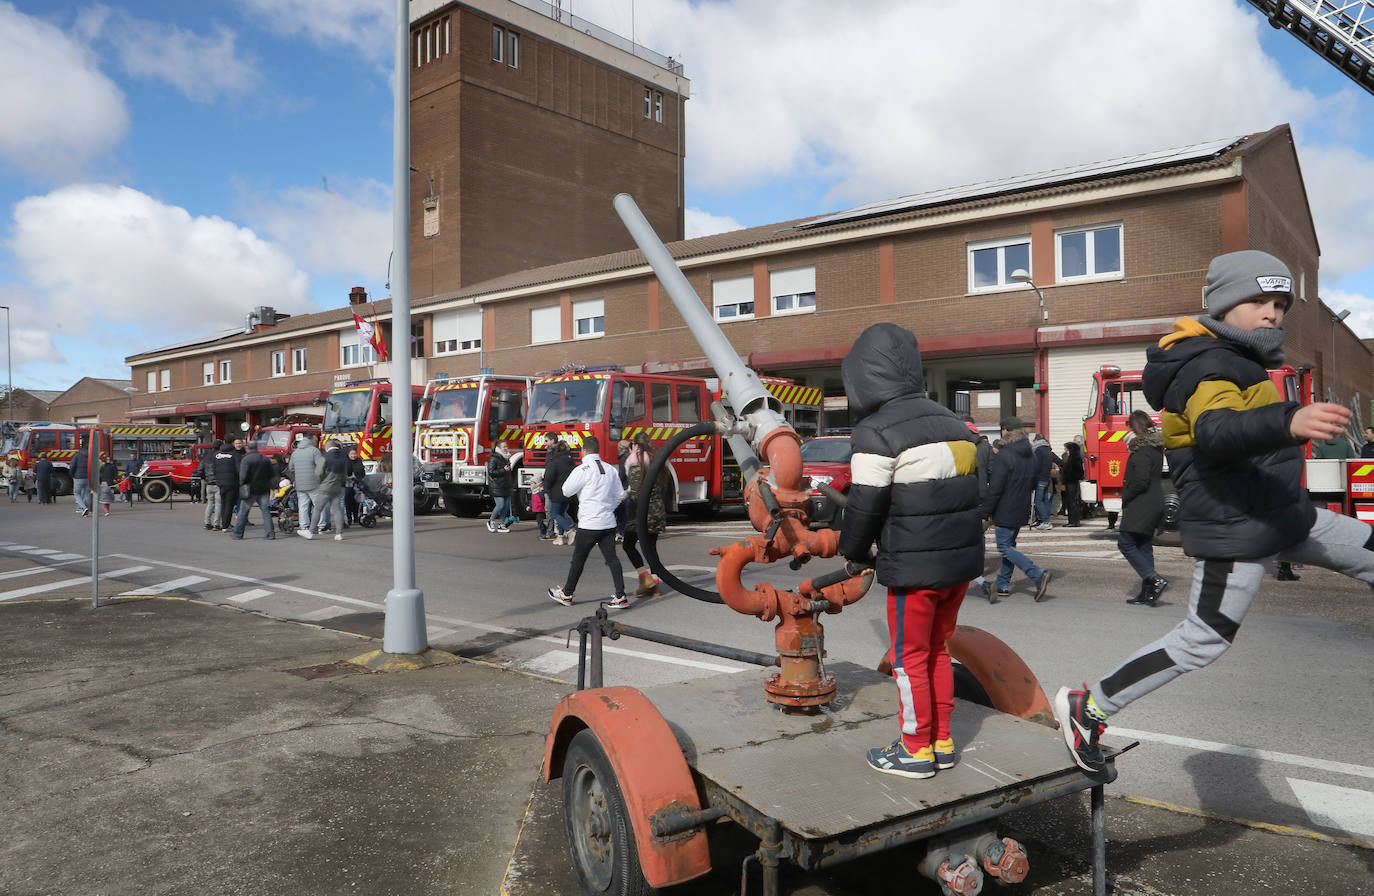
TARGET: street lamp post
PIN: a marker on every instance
(1335, 319)
(9, 375)
(1021, 275)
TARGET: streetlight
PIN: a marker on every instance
(1021, 275)
(1335, 319)
(9, 377)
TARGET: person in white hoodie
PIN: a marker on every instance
(597, 485)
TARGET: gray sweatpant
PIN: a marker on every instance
(1221, 596)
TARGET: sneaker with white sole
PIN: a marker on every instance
(491, 526)
(338, 536)
(503, 529)
(894, 759)
(945, 754)
(1081, 723)
(617, 603)
(556, 592)
(305, 533)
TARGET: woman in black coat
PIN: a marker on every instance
(1070, 477)
(1142, 506)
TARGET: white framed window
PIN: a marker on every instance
(419, 48)
(513, 55)
(589, 318)
(498, 43)
(207, 373)
(226, 369)
(1302, 284)
(991, 262)
(793, 291)
(354, 352)
(733, 299)
(165, 379)
(279, 362)
(1088, 252)
(152, 381)
(648, 102)
(546, 324)
(298, 360)
(456, 332)
(658, 106)
(446, 36)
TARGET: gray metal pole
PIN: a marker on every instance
(9, 370)
(404, 630)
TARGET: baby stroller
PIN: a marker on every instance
(374, 502)
(284, 507)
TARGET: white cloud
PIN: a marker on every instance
(702, 223)
(203, 67)
(1361, 307)
(95, 256)
(364, 27)
(59, 110)
(1340, 190)
(344, 231)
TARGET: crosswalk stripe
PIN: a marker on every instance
(163, 588)
(247, 596)
(67, 583)
(325, 613)
(42, 552)
(35, 570)
(552, 663)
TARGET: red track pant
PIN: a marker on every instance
(920, 621)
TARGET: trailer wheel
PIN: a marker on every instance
(157, 491)
(596, 825)
(967, 686)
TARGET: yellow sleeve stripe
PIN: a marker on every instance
(1213, 395)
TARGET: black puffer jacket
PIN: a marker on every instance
(1237, 467)
(498, 475)
(1142, 488)
(1011, 484)
(559, 467)
(915, 483)
(226, 469)
(257, 472)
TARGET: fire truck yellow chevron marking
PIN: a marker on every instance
(1364, 469)
(1116, 436)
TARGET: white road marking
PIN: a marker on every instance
(67, 583)
(325, 613)
(1342, 808)
(1342, 768)
(682, 567)
(11, 546)
(42, 552)
(65, 557)
(33, 571)
(553, 662)
(249, 580)
(247, 596)
(174, 584)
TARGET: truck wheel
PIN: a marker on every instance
(596, 825)
(425, 501)
(61, 483)
(461, 508)
(157, 491)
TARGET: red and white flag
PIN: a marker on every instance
(372, 334)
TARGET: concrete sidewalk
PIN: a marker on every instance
(164, 746)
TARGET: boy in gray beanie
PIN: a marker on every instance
(1235, 453)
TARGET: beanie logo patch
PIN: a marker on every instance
(1275, 284)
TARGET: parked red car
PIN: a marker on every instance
(826, 459)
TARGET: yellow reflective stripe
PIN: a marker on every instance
(1117, 436)
(1364, 469)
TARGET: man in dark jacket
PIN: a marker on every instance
(557, 469)
(500, 486)
(1007, 505)
(42, 480)
(915, 491)
(258, 476)
(1235, 455)
(1045, 462)
(225, 468)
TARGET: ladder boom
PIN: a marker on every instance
(1340, 31)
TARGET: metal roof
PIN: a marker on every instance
(1021, 182)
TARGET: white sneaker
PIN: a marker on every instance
(305, 533)
(503, 529)
(617, 603)
(570, 536)
(556, 592)
(491, 527)
(338, 536)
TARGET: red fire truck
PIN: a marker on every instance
(359, 413)
(458, 423)
(58, 443)
(613, 405)
(279, 438)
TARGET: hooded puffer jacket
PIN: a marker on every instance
(1142, 488)
(914, 468)
(1237, 467)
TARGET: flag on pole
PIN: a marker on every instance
(372, 334)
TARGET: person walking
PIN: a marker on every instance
(225, 469)
(14, 478)
(1071, 472)
(331, 468)
(1011, 484)
(258, 478)
(81, 475)
(500, 486)
(131, 468)
(1142, 506)
(538, 507)
(301, 466)
(42, 480)
(622, 513)
(636, 465)
(353, 475)
(914, 491)
(107, 476)
(985, 451)
(558, 468)
(212, 496)
(1045, 462)
(597, 485)
(1235, 454)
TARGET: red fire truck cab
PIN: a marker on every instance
(459, 422)
(360, 413)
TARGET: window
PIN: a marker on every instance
(458, 331)
(417, 339)
(446, 43)
(165, 378)
(658, 106)
(279, 362)
(353, 352)
(589, 318)
(513, 57)
(152, 381)
(207, 373)
(298, 360)
(733, 299)
(1088, 252)
(648, 102)
(689, 404)
(990, 263)
(793, 291)
(225, 369)
(419, 48)
(498, 43)
(662, 402)
(546, 325)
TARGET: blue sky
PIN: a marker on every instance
(165, 166)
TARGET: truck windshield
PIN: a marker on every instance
(274, 438)
(453, 404)
(347, 411)
(567, 401)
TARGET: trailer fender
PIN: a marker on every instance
(649, 767)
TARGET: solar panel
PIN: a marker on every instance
(1019, 183)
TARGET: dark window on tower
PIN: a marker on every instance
(498, 43)
(513, 57)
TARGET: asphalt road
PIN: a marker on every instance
(1276, 732)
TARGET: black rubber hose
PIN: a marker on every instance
(705, 428)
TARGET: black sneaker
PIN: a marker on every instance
(1003, 592)
(1082, 725)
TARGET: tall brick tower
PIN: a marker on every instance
(525, 123)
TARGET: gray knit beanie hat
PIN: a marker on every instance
(1239, 276)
